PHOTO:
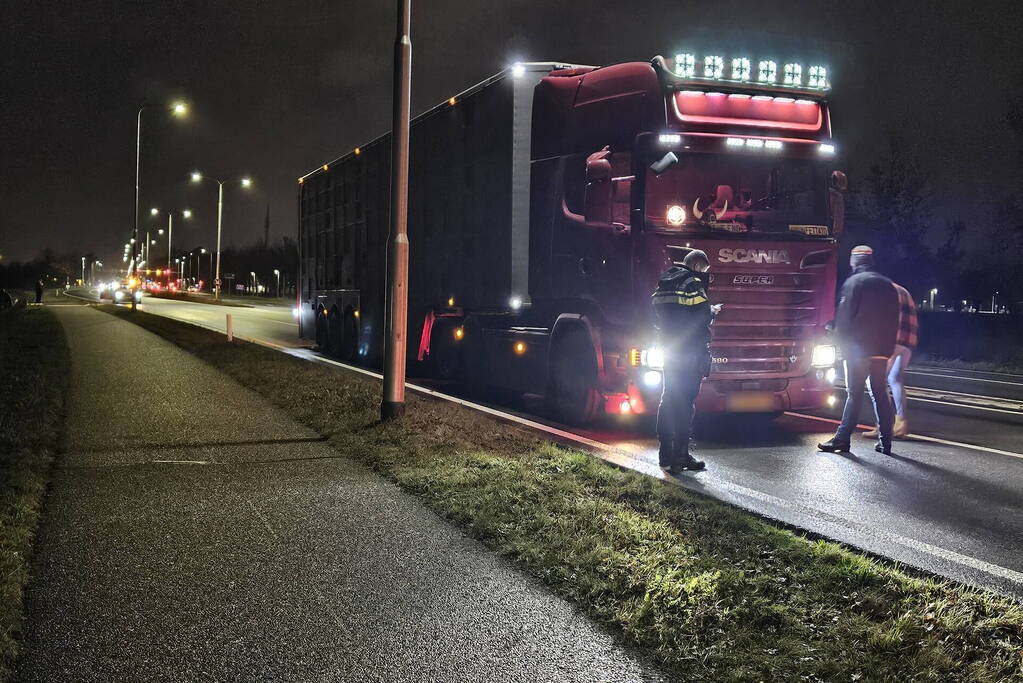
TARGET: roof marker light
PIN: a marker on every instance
(793, 74)
(740, 69)
(767, 71)
(762, 98)
(735, 142)
(805, 102)
(452, 101)
(669, 138)
(713, 66)
(738, 96)
(518, 70)
(699, 93)
(773, 144)
(685, 65)
(754, 143)
(715, 94)
(784, 100)
(826, 149)
(818, 77)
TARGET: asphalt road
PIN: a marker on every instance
(195, 532)
(950, 501)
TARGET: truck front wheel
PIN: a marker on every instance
(572, 394)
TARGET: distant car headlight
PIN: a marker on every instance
(652, 358)
(824, 356)
(118, 295)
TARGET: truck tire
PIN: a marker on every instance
(445, 359)
(474, 380)
(349, 344)
(334, 333)
(322, 338)
(572, 394)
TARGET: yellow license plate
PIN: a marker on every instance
(750, 402)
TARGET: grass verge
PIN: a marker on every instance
(934, 362)
(34, 377)
(711, 591)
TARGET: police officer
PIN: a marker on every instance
(683, 316)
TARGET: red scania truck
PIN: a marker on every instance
(544, 203)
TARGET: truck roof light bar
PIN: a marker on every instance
(767, 72)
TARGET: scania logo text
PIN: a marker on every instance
(742, 255)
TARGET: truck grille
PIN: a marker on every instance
(767, 324)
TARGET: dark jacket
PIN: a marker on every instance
(682, 314)
(868, 315)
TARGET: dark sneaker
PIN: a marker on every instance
(665, 457)
(690, 463)
(674, 469)
(881, 448)
(834, 446)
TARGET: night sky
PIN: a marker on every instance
(278, 88)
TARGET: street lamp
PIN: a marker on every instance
(246, 183)
(178, 109)
(83, 271)
(934, 293)
(254, 281)
(278, 274)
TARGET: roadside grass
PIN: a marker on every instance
(713, 592)
(34, 377)
(185, 296)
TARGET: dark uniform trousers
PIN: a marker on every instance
(680, 385)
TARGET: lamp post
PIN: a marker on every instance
(254, 280)
(246, 183)
(934, 293)
(177, 109)
(83, 271)
(278, 274)
(393, 402)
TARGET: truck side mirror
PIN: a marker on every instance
(597, 205)
(839, 184)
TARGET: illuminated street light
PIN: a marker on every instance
(934, 293)
(246, 182)
(154, 212)
(177, 109)
(278, 274)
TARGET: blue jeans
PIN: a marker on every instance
(896, 379)
(858, 373)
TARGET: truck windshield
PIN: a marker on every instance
(739, 193)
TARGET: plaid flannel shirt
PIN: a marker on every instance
(908, 328)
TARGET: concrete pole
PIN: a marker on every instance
(393, 404)
(135, 229)
(220, 216)
(170, 235)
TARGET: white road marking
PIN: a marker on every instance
(963, 377)
(919, 437)
(183, 462)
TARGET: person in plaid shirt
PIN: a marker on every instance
(905, 344)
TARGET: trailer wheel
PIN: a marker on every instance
(445, 359)
(473, 368)
(322, 338)
(334, 333)
(572, 394)
(349, 344)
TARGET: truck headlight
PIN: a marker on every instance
(652, 358)
(118, 295)
(824, 356)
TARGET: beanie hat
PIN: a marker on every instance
(861, 255)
